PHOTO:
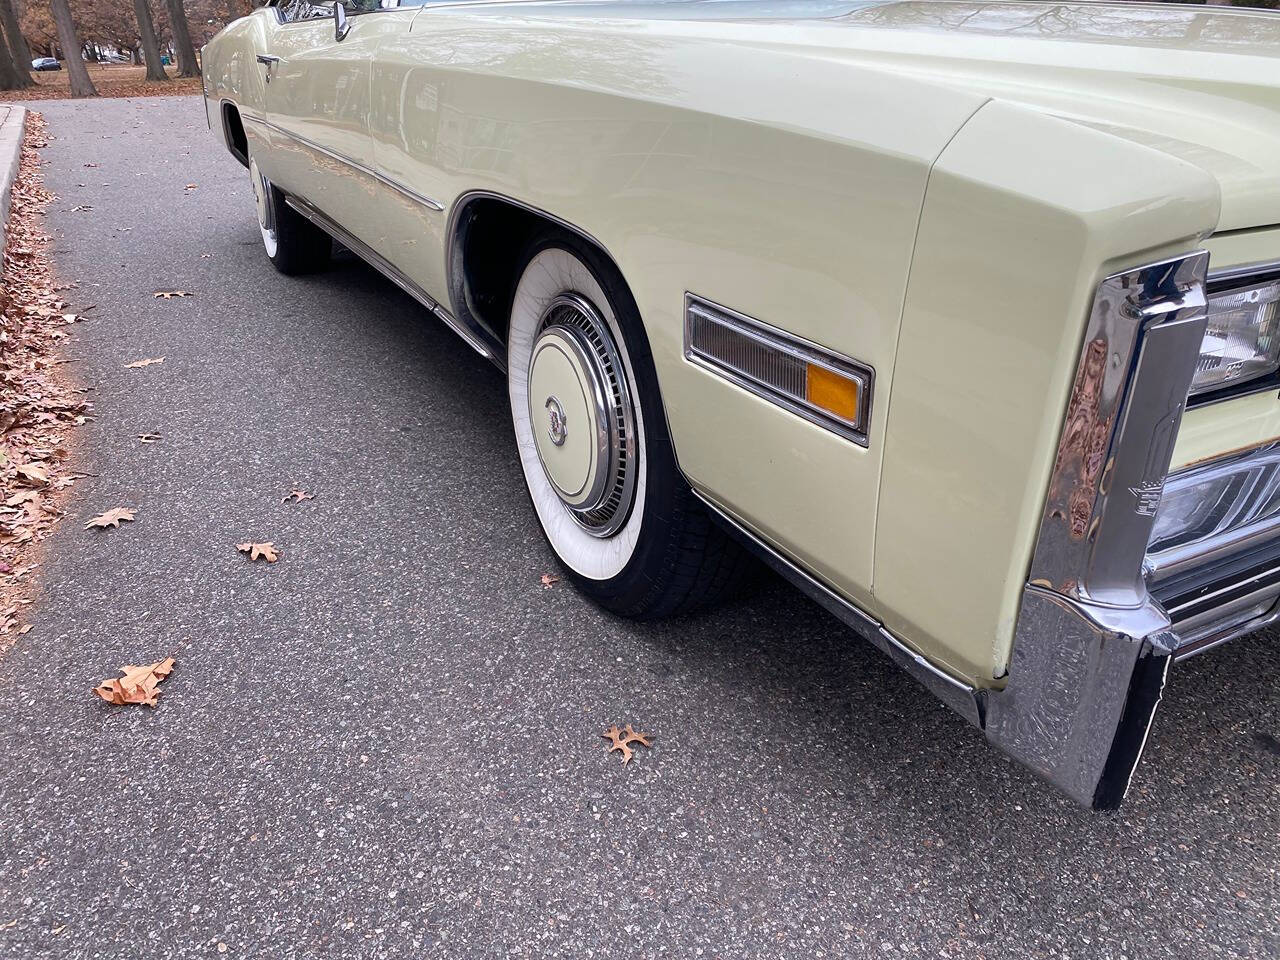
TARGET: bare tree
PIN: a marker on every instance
(17, 43)
(187, 66)
(9, 77)
(150, 45)
(77, 73)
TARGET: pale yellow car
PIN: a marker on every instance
(963, 316)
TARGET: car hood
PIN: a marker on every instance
(1202, 84)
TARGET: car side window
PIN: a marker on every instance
(293, 11)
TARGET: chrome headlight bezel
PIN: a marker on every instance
(1233, 283)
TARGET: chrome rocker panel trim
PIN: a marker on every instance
(481, 340)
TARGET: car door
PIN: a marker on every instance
(317, 105)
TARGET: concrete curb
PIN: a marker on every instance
(12, 123)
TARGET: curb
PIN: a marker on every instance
(12, 123)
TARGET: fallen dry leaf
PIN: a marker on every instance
(548, 579)
(190, 186)
(33, 473)
(111, 518)
(619, 740)
(267, 551)
(21, 497)
(80, 208)
(145, 363)
(297, 496)
(170, 294)
(138, 685)
(148, 437)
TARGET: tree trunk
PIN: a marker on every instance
(9, 79)
(17, 43)
(150, 45)
(77, 72)
(187, 66)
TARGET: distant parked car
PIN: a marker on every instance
(45, 63)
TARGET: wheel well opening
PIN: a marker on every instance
(233, 130)
(489, 238)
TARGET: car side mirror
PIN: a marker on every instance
(340, 25)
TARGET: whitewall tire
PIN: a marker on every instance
(293, 244)
(593, 444)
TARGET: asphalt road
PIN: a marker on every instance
(388, 743)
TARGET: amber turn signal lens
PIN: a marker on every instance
(832, 392)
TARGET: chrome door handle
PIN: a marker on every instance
(268, 61)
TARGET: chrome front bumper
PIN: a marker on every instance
(1110, 604)
(1101, 619)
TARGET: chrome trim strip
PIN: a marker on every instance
(355, 165)
(959, 696)
(785, 342)
(1245, 271)
(482, 341)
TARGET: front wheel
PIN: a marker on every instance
(594, 446)
(294, 244)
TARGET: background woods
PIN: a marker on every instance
(154, 33)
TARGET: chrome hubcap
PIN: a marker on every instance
(584, 423)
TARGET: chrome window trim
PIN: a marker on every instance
(789, 343)
(282, 22)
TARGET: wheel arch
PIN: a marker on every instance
(233, 132)
(486, 236)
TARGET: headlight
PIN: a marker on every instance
(1242, 340)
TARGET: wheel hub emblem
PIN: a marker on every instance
(557, 429)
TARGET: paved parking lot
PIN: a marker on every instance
(388, 743)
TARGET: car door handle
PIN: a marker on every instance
(267, 60)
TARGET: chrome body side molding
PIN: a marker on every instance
(480, 339)
(356, 165)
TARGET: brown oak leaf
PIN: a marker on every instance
(297, 496)
(267, 551)
(548, 579)
(621, 739)
(145, 363)
(170, 294)
(138, 685)
(111, 518)
(148, 437)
